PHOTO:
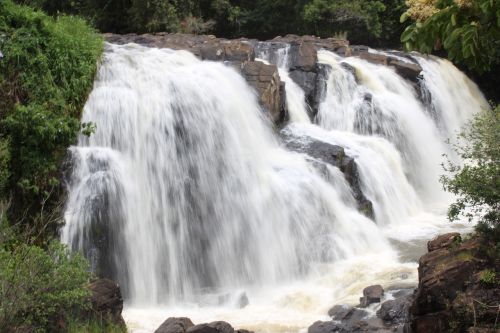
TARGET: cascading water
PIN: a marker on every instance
(207, 199)
(295, 97)
(184, 192)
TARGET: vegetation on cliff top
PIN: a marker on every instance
(374, 22)
(46, 74)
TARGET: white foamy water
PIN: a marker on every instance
(185, 196)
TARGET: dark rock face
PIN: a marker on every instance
(175, 325)
(409, 69)
(185, 325)
(371, 294)
(395, 311)
(107, 302)
(336, 156)
(266, 81)
(214, 327)
(452, 295)
(443, 241)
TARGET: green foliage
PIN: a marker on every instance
(45, 76)
(37, 287)
(477, 181)
(488, 277)
(94, 326)
(469, 31)
(365, 21)
(330, 16)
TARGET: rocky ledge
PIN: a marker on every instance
(264, 78)
(459, 286)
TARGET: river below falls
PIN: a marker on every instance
(292, 307)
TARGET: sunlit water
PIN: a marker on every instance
(204, 205)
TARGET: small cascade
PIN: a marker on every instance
(295, 97)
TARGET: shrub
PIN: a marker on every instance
(477, 181)
(45, 77)
(37, 287)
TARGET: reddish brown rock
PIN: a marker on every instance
(443, 241)
(107, 301)
(266, 81)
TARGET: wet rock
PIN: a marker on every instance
(107, 302)
(213, 327)
(444, 241)
(242, 301)
(406, 69)
(395, 311)
(371, 294)
(336, 156)
(175, 325)
(339, 312)
(266, 81)
(323, 327)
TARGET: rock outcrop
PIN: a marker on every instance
(458, 288)
(266, 81)
(333, 155)
(107, 302)
(185, 325)
(302, 62)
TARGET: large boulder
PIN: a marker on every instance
(107, 302)
(175, 325)
(333, 155)
(213, 327)
(454, 292)
(266, 81)
(371, 294)
(395, 311)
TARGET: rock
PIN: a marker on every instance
(175, 325)
(374, 58)
(266, 81)
(443, 241)
(213, 327)
(339, 312)
(313, 83)
(395, 311)
(371, 294)
(106, 300)
(242, 301)
(336, 156)
(451, 294)
(406, 69)
(323, 327)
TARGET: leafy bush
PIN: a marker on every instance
(45, 77)
(37, 287)
(468, 30)
(477, 181)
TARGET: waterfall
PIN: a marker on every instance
(185, 191)
(190, 190)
